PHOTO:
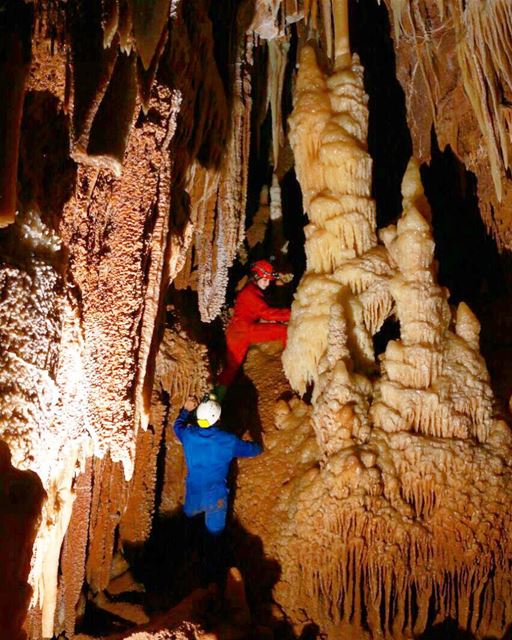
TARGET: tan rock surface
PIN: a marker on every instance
(449, 62)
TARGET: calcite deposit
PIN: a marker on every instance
(131, 136)
(87, 261)
(453, 64)
(385, 537)
(343, 298)
(14, 63)
(379, 436)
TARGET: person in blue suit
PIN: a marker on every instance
(208, 453)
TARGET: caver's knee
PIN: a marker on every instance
(215, 520)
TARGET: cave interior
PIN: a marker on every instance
(150, 152)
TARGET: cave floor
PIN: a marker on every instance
(144, 592)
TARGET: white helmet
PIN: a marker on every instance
(207, 413)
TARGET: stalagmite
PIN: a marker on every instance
(381, 506)
(433, 381)
(343, 298)
(391, 524)
(405, 536)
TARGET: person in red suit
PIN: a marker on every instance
(246, 328)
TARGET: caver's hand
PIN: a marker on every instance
(190, 404)
(284, 278)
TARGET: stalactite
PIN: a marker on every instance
(232, 192)
(93, 66)
(13, 70)
(113, 120)
(376, 498)
(212, 174)
(266, 22)
(328, 27)
(471, 38)
(136, 252)
(149, 20)
(49, 414)
(277, 59)
(146, 77)
(484, 38)
(56, 514)
(77, 358)
(106, 82)
(109, 20)
(168, 104)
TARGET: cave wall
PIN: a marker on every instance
(101, 228)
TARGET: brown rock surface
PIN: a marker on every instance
(447, 57)
(87, 263)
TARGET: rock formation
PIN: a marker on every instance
(452, 63)
(87, 261)
(343, 298)
(376, 503)
(386, 536)
(127, 133)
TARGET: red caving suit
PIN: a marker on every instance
(245, 328)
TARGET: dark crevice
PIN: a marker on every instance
(469, 262)
(389, 139)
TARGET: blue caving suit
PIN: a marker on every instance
(208, 453)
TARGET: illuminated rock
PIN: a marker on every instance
(343, 298)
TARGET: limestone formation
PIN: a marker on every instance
(84, 274)
(343, 298)
(461, 76)
(387, 536)
(14, 62)
(127, 134)
(376, 502)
